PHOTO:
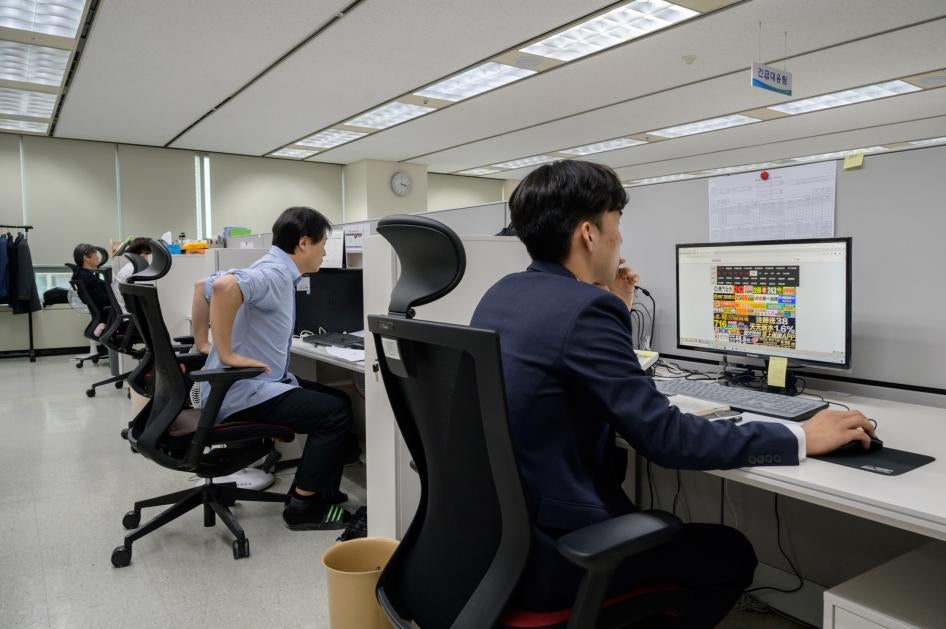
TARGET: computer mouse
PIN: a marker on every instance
(853, 447)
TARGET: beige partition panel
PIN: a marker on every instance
(11, 210)
(70, 196)
(158, 191)
(252, 191)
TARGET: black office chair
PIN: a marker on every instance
(468, 542)
(96, 315)
(189, 440)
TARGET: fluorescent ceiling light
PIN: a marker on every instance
(610, 29)
(26, 103)
(702, 126)
(838, 154)
(479, 171)
(295, 153)
(51, 17)
(389, 115)
(23, 125)
(330, 138)
(28, 63)
(601, 147)
(929, 142)
(525, 161)
(475, 81)
(662, 179)
(728, 170)
(856, 95)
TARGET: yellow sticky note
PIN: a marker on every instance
(778, 365)
(853, 161)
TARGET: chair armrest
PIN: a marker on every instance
(225, 374)
(611, 541)
(192, 362)
(186, 340)
(599, 548)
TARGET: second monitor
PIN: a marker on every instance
(333, 303)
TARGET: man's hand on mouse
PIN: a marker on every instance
(829, 430)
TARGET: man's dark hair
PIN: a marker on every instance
(554, 198)
(139, 246)
(297, 222)
(81, 251)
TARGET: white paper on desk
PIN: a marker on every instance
(794, 202)
(345, 353)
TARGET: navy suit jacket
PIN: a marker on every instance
(572, 381)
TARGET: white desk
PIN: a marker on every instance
(317, 352)
(914, 501)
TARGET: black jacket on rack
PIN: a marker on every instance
(5, 243)
(23, 294)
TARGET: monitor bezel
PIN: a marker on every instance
(742, 243)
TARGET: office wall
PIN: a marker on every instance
(893, 210)
(158, 191)
(452, 191)
(252, 191)
(11, 210)
(71, 196)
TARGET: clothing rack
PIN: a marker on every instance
(29, 315)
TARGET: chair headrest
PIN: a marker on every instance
(159, 267)
(432, 261)
(138, 263)
(103, 255)
(74, 268)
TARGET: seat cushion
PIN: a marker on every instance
(186, 424)
(641, 602)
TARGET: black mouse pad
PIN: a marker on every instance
(888, 461)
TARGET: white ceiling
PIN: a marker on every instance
(152, 69)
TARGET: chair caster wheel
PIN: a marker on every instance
(121, 556)
(78, 365)
(241, 551)
(95, 361)
(131, 520)
(118, 385)
(90, 392)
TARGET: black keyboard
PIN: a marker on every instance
(337, 339)
(740, 399)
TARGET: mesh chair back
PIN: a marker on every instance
(467, 544)
(170, 392)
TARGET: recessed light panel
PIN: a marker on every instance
(661, 179)
(610, 29)
(475, 81)
(838, 154)
(293, 153)
(479, 171)
(26, 103)
(702, 126)
(50, 17)
(525, 161)
(28, 63)
(601, 147)
(846, 97)
(389, 115)
(331, 138)
(23, 125)
(929, 142)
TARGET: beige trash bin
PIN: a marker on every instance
(352, 570)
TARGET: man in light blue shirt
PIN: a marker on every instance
(253, 313)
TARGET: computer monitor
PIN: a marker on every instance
(789, 298)
(334, 302)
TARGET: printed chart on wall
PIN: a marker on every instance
(793, 202)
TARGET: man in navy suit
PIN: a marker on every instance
(572, 381)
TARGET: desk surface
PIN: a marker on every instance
(317, 352)
(915, 501)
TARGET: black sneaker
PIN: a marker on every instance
(357, 526)
(316, 516)
(337, 498)
(352, 452)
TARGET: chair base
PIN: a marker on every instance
(118, 381)
(216, 501)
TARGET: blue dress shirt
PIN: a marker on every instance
(262, 329)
